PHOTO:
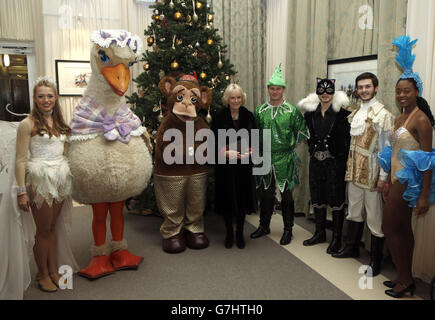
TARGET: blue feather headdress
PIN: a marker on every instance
(405, 59)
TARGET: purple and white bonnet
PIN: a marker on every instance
(122, 38)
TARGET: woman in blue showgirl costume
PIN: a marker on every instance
(410, 162)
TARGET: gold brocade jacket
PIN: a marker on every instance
(362, 163)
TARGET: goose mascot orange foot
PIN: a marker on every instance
(109, 151)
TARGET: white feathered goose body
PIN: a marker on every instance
(108, 157)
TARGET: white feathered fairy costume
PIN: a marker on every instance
(47, 174)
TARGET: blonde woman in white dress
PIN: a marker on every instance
(44, 178)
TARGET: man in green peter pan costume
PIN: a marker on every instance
(288, 128)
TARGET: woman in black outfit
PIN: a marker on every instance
(234, 183)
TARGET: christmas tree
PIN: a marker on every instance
(181, 40)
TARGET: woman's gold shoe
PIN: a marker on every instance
(55, 277)
(46, 285)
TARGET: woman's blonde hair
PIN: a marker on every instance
(59, 126)
(230, 90)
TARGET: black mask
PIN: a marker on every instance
(325, 86)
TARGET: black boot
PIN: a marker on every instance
(320, 233)
(288, 217)
(337, 228)
(240, 241)
(376, 255)
(351, 248)
(266, 211)
(229, 237)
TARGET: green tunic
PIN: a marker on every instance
(287, 125)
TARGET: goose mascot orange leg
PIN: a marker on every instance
(120, 258)
(110, 151)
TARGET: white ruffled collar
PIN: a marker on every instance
(358, 124)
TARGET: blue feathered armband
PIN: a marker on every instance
(414, 164)
(384, 158)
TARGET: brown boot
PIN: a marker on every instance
(196, 240)
(175, 244)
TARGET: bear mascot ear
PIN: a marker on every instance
(206, 97)
(166, 85)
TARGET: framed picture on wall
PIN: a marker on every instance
(72, 77)
(345, 71)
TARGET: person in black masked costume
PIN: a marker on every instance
(328, 147)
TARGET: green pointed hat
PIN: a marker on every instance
(277, 79)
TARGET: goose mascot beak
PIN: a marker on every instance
(118, 77)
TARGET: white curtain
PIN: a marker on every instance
(276, 36)
(38, 29)
(67, 25)
(9, 28)
(242, 27)
(421, 25)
